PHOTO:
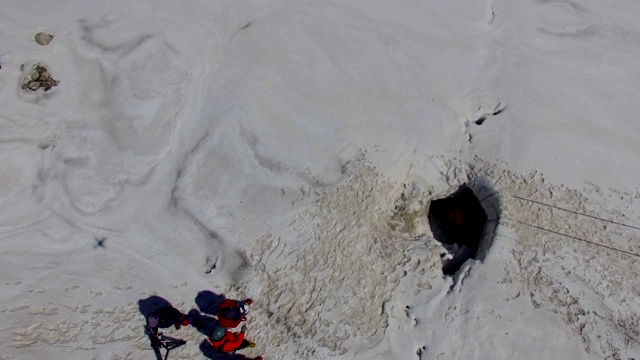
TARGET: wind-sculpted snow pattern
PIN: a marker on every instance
(341, 267)
(123, 127)
(346, 256)
(587, 285)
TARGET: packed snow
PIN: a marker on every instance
(288, 151)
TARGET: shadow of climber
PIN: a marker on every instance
(151, 304)
(203, 323)
(208, 301)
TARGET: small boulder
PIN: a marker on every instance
(43, 38)
(38, 78)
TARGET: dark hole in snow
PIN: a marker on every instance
(460, 223)
(480, 120)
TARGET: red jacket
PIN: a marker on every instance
(227, 307)
(229, 341)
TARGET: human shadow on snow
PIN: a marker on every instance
(203, 323)
(208, 301)
(151, 304)
(146, 307)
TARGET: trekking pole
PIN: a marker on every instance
(168, 344)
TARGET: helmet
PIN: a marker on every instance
(152, 320)
(243, 309)
(218, 333)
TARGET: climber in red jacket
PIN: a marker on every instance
(225, 341)
(232, 312)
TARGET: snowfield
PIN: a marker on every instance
(288, 151)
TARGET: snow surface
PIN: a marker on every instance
(287, 151)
